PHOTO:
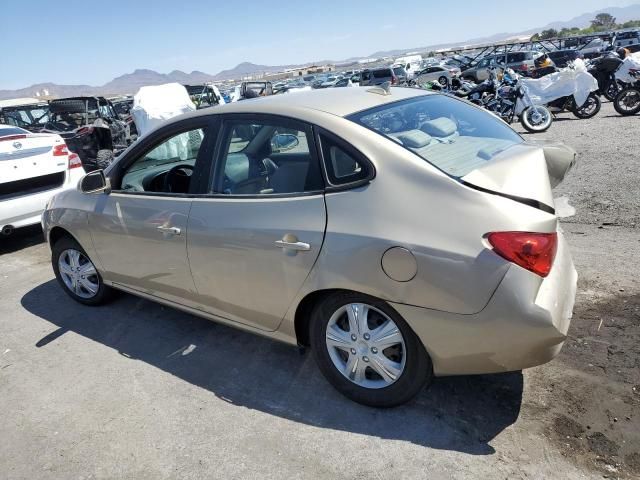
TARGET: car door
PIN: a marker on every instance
(139, 230)
(254, 239)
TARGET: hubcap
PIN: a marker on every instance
(365, 345)
(78, 273)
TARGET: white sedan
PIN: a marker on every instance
(33, 167)
(437, 73)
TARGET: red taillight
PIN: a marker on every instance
(74, 161)
(12, 137)
(532, 251)
(394, 80)
(60, 150)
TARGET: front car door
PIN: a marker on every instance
(254, 239)
(139, 230)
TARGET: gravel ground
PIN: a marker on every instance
(137, 390)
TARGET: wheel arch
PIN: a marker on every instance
(57, 233)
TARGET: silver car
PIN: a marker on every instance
(400, 234)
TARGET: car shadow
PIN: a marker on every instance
(458, 413)
(21, 238)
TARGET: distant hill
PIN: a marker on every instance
(131, 82)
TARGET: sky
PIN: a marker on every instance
(88, 42)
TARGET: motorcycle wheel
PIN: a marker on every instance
(613, 88)
(627, 102)
(590, 108)
(536, 119)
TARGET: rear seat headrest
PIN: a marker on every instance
(440, 127)
(414, 138)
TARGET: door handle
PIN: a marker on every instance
(298, 246)
(171, 230)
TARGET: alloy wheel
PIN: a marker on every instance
(366, 345)
(78, 273)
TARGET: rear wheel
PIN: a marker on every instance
(589, 109)
(77, 275)
(367, 351)
(627, 102)
(536, 119)
(612, 90)
(443, 81)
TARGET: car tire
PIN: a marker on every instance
(444, 81)
(67, 254)
(104, 158)
(408, 358)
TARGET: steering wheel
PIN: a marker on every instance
(177, 179)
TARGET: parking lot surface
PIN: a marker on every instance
(138, 390)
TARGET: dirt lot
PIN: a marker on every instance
(137, 390)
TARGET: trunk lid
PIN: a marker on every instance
(31, 156)
(526, 173)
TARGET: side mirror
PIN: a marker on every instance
(94, 182)
(283, 142)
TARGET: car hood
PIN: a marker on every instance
(526, 173)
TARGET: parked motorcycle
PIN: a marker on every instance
(512, 100)
(627, 102)
(589, 109)
(604, 71)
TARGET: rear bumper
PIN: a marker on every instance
(524, 324)
(26, 210)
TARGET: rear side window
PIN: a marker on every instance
(343, 164)
(455, 137)
(382, 73)
(517, 57)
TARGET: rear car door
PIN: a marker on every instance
(139, 230)
(255, 237)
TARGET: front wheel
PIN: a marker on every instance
(627, 102)
(444, 81)
(589, 109)
(367, 351)
(536, 119)
(77, 275)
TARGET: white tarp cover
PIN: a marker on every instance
(155, 104)
(568, 81)
(631, 62)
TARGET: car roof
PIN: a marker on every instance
(339, 101)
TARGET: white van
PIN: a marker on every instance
(411, 63)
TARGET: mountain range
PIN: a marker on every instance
(131, 82)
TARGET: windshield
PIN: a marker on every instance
(448, 133)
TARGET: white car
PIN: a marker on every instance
(33, 167)
(437, 73)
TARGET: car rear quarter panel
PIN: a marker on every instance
(413, 205)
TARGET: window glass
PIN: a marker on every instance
(343, 165)
(382, 73)
(267, 159)
(167, 168)
(448, 133)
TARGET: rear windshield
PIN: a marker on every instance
(450, 134)
(399, 71)
(382, 73)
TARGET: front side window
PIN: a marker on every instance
(167, 167)
(448, 133)
(260, 158)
